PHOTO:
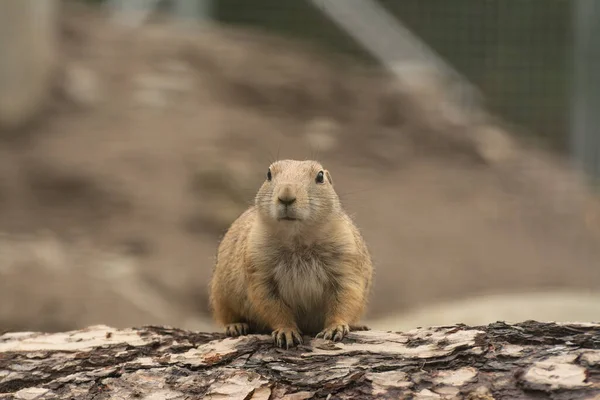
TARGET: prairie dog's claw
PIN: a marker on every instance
(237, 329)
(286, 337)
(334, 332)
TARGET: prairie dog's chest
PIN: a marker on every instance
(302, 279)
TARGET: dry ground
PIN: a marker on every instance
(112, 203)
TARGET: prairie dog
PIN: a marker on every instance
(293, 263)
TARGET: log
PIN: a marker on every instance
(529, 360)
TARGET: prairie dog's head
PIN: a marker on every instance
(297, 192)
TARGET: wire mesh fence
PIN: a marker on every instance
(519, 54)
(516, 52)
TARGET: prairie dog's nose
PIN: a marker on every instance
(286, 195)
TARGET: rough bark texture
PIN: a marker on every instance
(528, 360)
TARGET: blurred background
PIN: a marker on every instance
(464, 139)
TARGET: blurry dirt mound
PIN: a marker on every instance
(158, 138)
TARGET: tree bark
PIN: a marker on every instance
(530, 360)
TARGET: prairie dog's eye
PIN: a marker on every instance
(320, 177)
(269, 175)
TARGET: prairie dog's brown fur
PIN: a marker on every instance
(294, 263)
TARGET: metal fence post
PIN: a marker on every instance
(585, 95)
(393, 44)
(28, 40)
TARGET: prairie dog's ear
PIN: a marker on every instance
(328, 175)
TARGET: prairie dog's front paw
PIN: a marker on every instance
(237, 329)
(335, 332)
(286, 337)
